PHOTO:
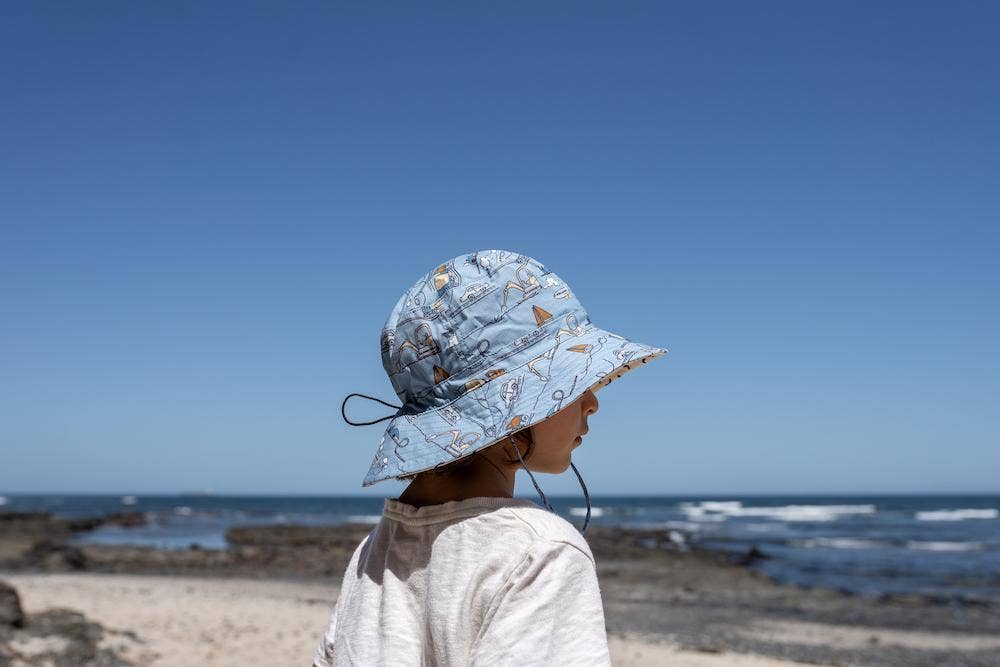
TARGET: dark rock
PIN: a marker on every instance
(619, 542)
(123, 519)
(126, 519)
(58, 637)
(16, 517)
(83, 524)
(10, 607)
(51, 555)
(298, 536)
(44, 524)
(32, 524)
(752, 555)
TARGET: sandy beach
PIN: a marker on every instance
(266, 600)
(172, 621)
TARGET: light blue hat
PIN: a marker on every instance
(481, 347)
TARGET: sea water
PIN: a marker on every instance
(934, 544)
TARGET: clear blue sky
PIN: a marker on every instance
(208, 210)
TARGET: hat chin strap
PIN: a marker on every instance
(586, 496)
(545, 501)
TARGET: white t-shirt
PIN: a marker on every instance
(479, 581)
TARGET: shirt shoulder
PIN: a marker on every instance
(551, 601)
(541, 525)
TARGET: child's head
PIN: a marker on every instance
(496, 363)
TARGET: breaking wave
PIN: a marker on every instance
(958, 515)
(365, 518)
(944, 546)
(582, 511)
(839, 543)
(721, 510)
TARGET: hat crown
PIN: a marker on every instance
(468, 321)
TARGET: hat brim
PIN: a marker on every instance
(555, 374)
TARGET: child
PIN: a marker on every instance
(497, 365)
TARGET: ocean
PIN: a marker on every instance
(935, 545)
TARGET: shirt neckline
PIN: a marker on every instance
(396, 510)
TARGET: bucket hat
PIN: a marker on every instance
(480, 347)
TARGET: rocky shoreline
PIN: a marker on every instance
(652, 587)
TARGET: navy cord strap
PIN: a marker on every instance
(545, 500)
(344, 414)
(586, 495)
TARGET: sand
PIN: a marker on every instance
(167, 621)
(266, 599)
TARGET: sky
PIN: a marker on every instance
(207, 211)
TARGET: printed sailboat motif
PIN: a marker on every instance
(541, 315)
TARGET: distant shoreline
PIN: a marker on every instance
(942, 547)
